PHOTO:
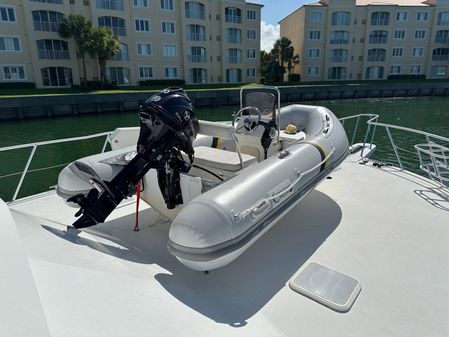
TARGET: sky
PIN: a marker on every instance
(272, 12)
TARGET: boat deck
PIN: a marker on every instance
(385, 227)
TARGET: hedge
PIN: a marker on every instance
(17, 85)
(162, 82)
(407, 77)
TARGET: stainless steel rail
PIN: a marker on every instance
(34, 147)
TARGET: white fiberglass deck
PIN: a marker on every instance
(385, 227)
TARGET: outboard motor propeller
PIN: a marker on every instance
(168, 125)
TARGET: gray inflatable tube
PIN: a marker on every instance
(217, 226)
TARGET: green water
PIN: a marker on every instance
(429, 114)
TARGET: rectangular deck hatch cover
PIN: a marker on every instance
(326, 286)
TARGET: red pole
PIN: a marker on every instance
(136, 226)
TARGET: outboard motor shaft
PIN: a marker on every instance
(168, 125)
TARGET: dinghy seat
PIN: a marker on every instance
(224, 164)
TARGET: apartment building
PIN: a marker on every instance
(370, 39)
(201, 41)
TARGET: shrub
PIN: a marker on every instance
(162, 82)
(294, 77)
(407, 77)
(262, 80)
(95, 85)
(17, 85)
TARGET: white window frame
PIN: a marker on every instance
(170, 22)
(254, 70)
(416, 65)
(15, 15)
(248, 34)
(309, 73)
(171, 67)
(311, 33)
(144, 43)
(421, 30)
(12, 51)
(247, 53)
(397, 48)
(250, 17)
(171, 45)
(314, 58)
(168, 9)
(426, 16)
(139, 6)
(395, 65)
(400, 30)
(398, 19)
(11, 66)
(416, 48)
(315, 12)
(145, 66)
(142, 19)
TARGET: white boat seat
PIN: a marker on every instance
(209, 157)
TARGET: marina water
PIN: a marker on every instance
(429, 114)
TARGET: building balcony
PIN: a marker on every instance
(196, 58)
(233, 18)
(48, 54)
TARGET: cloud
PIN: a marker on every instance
(268, 35)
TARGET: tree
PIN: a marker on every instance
(292, 63)
(283, 52)
(103, 45)
(80, 29)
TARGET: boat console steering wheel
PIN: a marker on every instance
(246, 120)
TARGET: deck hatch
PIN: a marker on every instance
(327, 286)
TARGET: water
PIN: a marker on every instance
(429, 114)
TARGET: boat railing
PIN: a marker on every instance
(433, 155)
(34, 147)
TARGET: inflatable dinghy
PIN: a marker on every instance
(222, 191)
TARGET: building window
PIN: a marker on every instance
(378, 37)
(415, 69)
(56, 77)
(233, 56)
(14, 73)
(140, 3)
(10, 44)
(146, 72)
(376, 55)
(313, 71)
(250, 72)
(47, 21)
(233, 15)
(395, 69)
(399, 34)
(52, 50)
(251, 54)
(420, 34)
(171, 72)
(57, 2)
(198, 75)
(194, 10)
(337, 73)
(440, 54)
(341, 19)
(338, 55)
(168, 27)
(142, 25)
(117, 25)
(110, 4)
(197, 55)
(401, 16)
(443, 19)
(315, 16)
(438, 71)
(233, 35)
(251, 14)
(314, 53)
(442, 36)
(374, 73)
(418, 52)
(380, 18)
(315, 35)
(169, 50)
(422, 16)
(196, 33)
(397, 52)
(251, 34)
(118, 75)
(339, 37)
(123, 54)
(7, 14)
(233, 75)
(167, 5)
(144, 48)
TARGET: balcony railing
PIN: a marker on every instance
(45, 26)
(441, 57)
(48, 54)
(197, 58)
(377, 39)
(196, 36)
(234, 59)
(110, 4)
(192, 14)
(233, 18)
(339, 59)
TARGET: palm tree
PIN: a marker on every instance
(283, 52)
(292, 63)
(103, 45)
(79, 28)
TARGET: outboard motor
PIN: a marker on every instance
(168, 125)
